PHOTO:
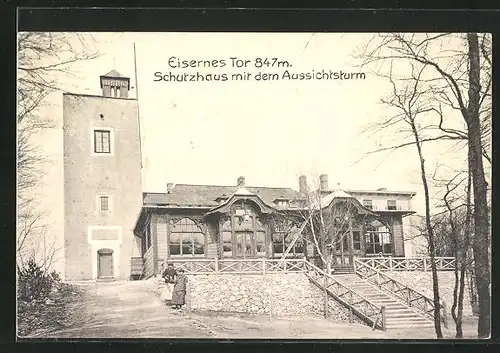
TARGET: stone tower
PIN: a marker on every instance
(102, 180)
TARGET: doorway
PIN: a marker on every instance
(105, 263)
(245, 245)
(347, 247)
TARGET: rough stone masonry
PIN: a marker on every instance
(290, 294)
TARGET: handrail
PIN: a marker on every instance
(360, 306)
(406, 294)
(389, 263)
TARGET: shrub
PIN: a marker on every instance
(34, 283)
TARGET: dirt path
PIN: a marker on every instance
(127, 309)
(131, 309)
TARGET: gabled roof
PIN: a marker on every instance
(188, 195)
(336, 194)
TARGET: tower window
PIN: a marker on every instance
(104, 203)
(102, 141)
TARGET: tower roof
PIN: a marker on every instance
(114, 73)
(115, 78)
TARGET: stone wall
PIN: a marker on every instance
(290, 294)
(422, 283)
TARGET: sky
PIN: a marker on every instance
(270, 132)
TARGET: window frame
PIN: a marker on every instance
(99, 203)
(93, 131)
(370, 201)
(379, 237)
(186, 234)
(283, 231)
(392, 207)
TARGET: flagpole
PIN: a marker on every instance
(137, 97)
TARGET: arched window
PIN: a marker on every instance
(186, 238)
(378, 239)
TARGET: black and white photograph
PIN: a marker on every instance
(236, 185)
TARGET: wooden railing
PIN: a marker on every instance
(407, 263)
(405, 294)
(367, 311)
(238, 266)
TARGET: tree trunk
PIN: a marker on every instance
(454, 306)
(430, 233)
(480, 187)
(458, 322)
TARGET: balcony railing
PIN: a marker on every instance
(407, 263)
(403, 207)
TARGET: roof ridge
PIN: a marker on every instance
(231, 186)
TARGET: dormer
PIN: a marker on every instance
(221, 199)
(281, 202)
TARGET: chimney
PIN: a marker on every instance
(170, 187)
(241, 182)
(303, 184)
(323, 182)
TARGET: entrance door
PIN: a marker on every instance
(105, 263)
(343, 249)
(244, 245)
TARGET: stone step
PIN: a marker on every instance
(400, 327)
(379, 298)
(398, 315)
(406, 319)
(408, 314)
(399, 310)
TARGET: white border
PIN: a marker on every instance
(114, 245)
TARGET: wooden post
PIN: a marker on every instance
(325, 295)
(217, 264)
(270, 297)
(425, 264)
(382, 310)
(350, 315)
(264, 266)
(188, 296)
(390, 263)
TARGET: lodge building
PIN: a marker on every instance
(113, 230)
(238, 222)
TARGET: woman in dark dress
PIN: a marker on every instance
(179, 294)
(169, 276)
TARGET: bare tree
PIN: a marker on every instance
(460, 78)
(43, 60)
(454, 228)
(330, 218)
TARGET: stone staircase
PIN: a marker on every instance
(398, 315)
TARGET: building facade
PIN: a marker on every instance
(208, 221)
(102, 180)
(112, 230)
